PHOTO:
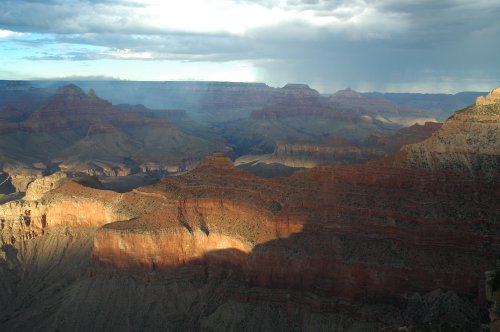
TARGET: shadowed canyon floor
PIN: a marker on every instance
(401, 241)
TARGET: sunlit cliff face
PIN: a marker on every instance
(492, 98)
(313, 223)
(291, 232)
(422, 219)
(159, 251)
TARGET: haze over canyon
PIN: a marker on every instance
(267, 165)
(238, 206)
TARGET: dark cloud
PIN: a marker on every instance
(372, 43)
(72, 16)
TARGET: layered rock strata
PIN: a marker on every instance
(75, 131)
(379, 231)
(56, 201)
(338, 150)
(364, 231)
(468, 142)
(492, 98)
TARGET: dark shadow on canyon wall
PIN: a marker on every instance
(374, 251)
(50, 283)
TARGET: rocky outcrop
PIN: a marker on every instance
(315, 234)
(39, 187)
(492, 98)
(379, 108)
(346, 93)
(365, 233)
(299, 91)
(379, 230)
(72, 108)
(315, 242)
(338, 150)
(22, 175)
(295, 100)
(151, 251)
(411, 135)
(6, 186)
(50, 277)
(81, 132)
(469, 142)
(56, 201)
(301, 114)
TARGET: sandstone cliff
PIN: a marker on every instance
(316, 227)
(338, 150)
(379, 108)
(469, 141)
(359, 232)
(39, 187)
(228, 246)
(76, 131)
(377, 230)
(492, 98)
(300, 114)
(56, 201)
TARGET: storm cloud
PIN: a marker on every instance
(447, 45)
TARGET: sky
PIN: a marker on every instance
(368, 45)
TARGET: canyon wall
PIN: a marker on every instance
(362, 231)
(67, 204)
(423, 219)
(337, 150)
(383, 229)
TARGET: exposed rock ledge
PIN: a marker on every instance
(68, 204)
(151, 251)
(492, 98)
(40, 186)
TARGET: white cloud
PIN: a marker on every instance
(150, 17)
(128, 54)
(356, 19)
(8, 33)
(370, 43)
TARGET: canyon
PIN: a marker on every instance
(301, 114)
(247, 117)
(336, 149)
(45, 128)
(398, 242)
(79, 132)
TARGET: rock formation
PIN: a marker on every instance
(40, 186)
(492, 98)
(380, 230)
(302, 114)
(79, 132)
(377, 107)
(388, 243)
(336, 149)
(295, 100)
(56, 201)
(305, 225)
(469, 141)
(440, 105)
